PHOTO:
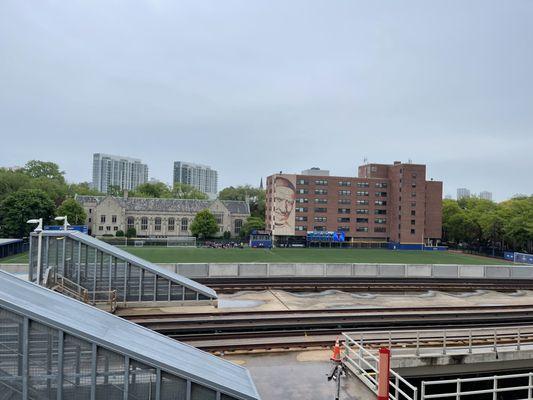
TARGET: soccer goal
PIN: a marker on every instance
(138, 243)
(181, 241)
(523, 258)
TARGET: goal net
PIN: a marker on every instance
(181, 241)
(523, 258)
(139, 243)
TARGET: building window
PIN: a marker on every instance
(171, 224)
(321, 209)
(301, 200)
(413, 222)
(321, 191)
(302, 182)
(157, 224)
(345, 192)
(90, 219)
(413, 184)
(413, 194)
(381, 185)
(131, 223)
(343, 211)
(321, 182)
(414, 175)
(345, 183)
(321, 201)
(380, 212)
(413, 204)
(362, 211)
(380, 229)
(362, 229)
(90, 210)
(114, 219)
(238, 226)
(320, 219)
(361, 220)
(144, 223)
(301, 209)
(219, 217)
(380, 203)
(381, 194)
(343, 228)
(362, 184)
(108, 228)
(301, 218)
(362, 193)
(343, 219)
(301, 228)
(413, 231)
(413, 213)
(319, 228)
(380, 221)
(102, 219)
(185, 224)
(362, 202)
(302, 191)
(345, 201)
(115, 228)
(100, 228)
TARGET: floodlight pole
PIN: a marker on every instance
(39, 231)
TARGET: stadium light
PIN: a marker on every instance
(65, 222)
(39, 230)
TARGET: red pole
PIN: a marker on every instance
(383, 373)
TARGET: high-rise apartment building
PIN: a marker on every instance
(463, 193)
(384, 203)
(123, 172)
(202, 177)
(485, 195)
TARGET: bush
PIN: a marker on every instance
(131, 232)
(226, 235)
(119, 233)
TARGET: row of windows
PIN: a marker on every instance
(345, 219)
(324, 182)
(340, 211)
(344, 201)
(103, 219)
(171, 224)
(343, 228)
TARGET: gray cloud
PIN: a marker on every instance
(256, 87)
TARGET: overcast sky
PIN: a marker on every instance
(255, 87)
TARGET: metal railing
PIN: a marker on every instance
(444, 341)
(96, 298)
(365, 365)
(492, 381)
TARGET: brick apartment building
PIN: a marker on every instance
(384, 203)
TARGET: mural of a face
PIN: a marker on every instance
(284, 199)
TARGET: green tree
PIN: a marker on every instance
(184, 191)
(254, 196)
(131, 232)
(114, 190)
(21, 206)
(119, 233)
(152, 190)
(44, 169)
(252, 223)
(11, 181)
(82, 189)
(75, 213)
(204, 224)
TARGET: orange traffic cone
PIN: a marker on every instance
(336, 356)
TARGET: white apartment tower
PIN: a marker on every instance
(463, 193)
(202, 177)
(124, 172)
(485, 195)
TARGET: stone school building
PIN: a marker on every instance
(158, 218)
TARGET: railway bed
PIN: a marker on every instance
(361, 284)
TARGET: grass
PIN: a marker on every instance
(208, 255)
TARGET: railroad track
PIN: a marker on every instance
(357, 284)
(253, 330)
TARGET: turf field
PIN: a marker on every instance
(304, 255)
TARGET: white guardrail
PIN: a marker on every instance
(365, 364)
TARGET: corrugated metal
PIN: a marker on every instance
(134, 260)
(117, 334)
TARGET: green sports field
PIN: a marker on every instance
(208, 255)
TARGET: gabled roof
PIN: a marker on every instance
(134, 260)
(124, 337)
(168, 205)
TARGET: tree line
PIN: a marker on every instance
(39, 190)
(478, 223)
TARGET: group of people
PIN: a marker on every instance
(224, 245)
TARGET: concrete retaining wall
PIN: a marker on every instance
(263, 270)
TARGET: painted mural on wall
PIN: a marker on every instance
(284, 204)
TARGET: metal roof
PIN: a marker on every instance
(134, 260)
(9, 241)
(122, 336)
